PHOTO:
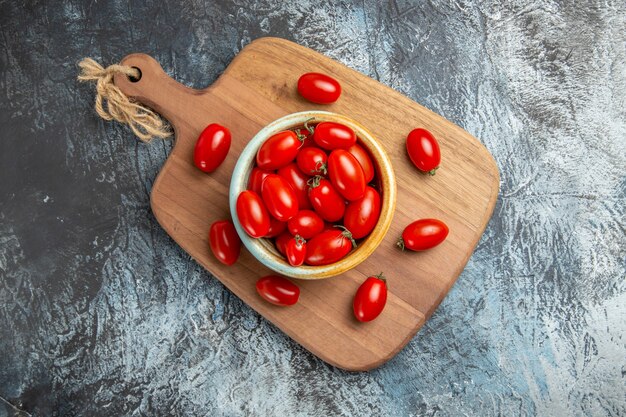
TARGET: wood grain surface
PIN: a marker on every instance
(258, 87)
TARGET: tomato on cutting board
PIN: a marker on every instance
(319, 88)
(423, 149)
(211, 147)
(423, 234)
(278, 290)
(224, 242)
(370, 298)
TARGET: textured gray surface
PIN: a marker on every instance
(102, 314)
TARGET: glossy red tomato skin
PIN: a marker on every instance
(346, 174)
(255, 180)
(423, 234)
(423, 149)
(224, 242)
(281, 241)
(278, 290)
(295, 251)
(331, 135)
(327, 247)
(276, 228)
(252, 214)
(298, 182)
(279, 197)
(306, 223)
(312, 160)
(277, 151)
(370, 299)
(326, 201)
(362, 215)
(319, 88)
(365, 161)
(211, 147)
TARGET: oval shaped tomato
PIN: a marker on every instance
(312, 160)
(331, 135)
(326, 201)
(328, 247)
(298, 182)
(277, 151)
(252, 214)
(362, 215)
(423, 149)
(276, 227)
(370, 298)
(224, 242)
(346, 174)
(319, 88)
(423, 234)
(255, 180)
(278, 290)
(281, 241)
(279, 198)
(364, 159)
(295, 251)
(306, 223)
(211, 147)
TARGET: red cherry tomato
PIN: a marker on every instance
(423, 234)
(281, 241)
(364, 159)
(370, 298)
(331, 135)
(224, 242)
(312, 160)
(362, 215)
(211, 148)
(326, 201)
(252, 214)
(279, 150)
(276, 227)
(306, 223)
(279, 198)
(319, 88)
(278, 290)
(295, 251)
(328, 247)
(346, 174)
(298, 182)
(256, 179)
(423, 150)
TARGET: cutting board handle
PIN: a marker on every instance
(157, 90)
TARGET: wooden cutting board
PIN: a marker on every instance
(258, 87)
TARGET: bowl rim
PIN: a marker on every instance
(262, 249)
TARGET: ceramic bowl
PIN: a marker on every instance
(263, 249)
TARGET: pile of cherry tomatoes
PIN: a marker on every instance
(309, 191)
(314, 191)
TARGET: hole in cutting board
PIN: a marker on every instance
(135, 79)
